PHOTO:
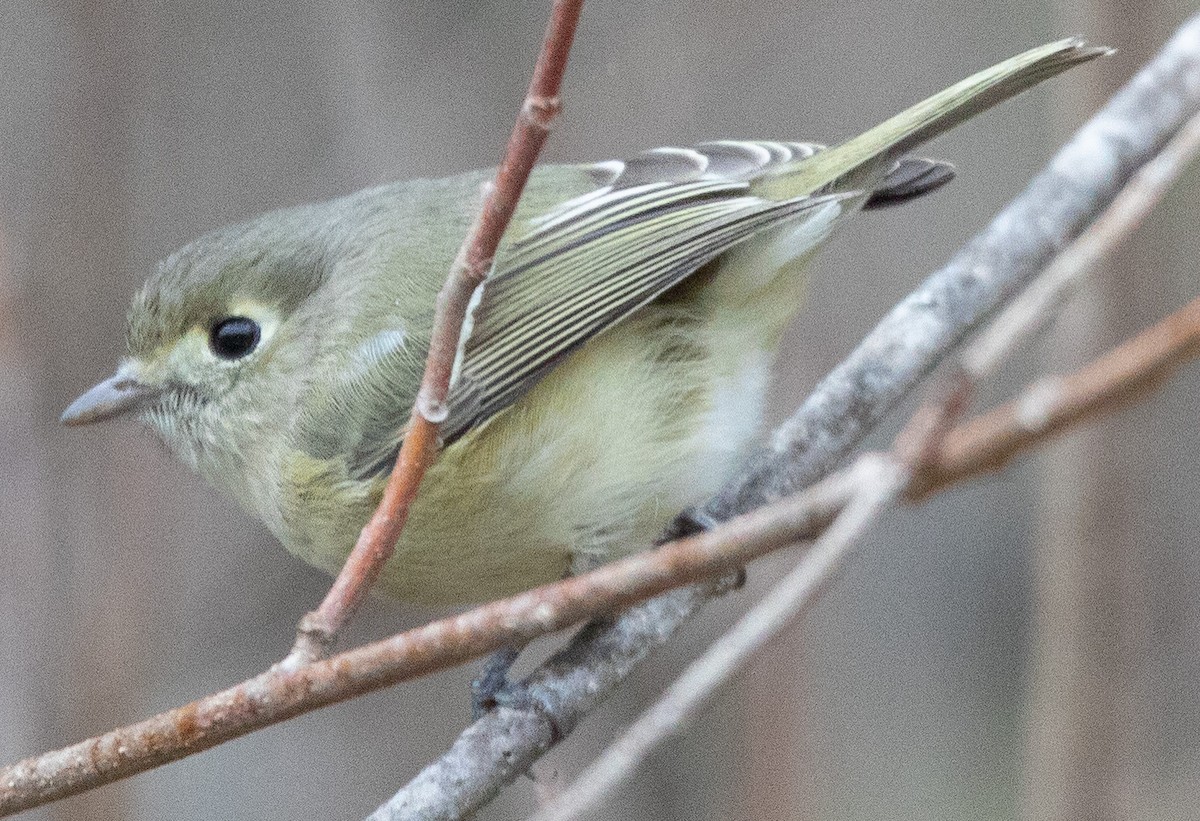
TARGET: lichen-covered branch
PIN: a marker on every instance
(1079, 182)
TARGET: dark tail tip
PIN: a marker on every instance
(910, 178)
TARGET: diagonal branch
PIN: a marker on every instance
(375, 544)
(1028, 314)
(1079, 182)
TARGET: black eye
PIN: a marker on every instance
(234, 337)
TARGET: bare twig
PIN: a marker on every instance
(879, 481)
(991, 441)
(1026, 315)
(318, 629)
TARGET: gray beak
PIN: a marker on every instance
(118, 394)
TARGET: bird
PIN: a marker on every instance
(611, 371)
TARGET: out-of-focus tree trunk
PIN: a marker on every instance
(1087, 719)
(77, 224)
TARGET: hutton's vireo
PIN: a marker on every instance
(612, 371)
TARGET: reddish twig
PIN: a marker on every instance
(283, 692)
(377, 541)
(1053, 404)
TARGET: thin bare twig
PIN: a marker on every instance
(989, 442)
(879, 481)
(1028, 314)
(1038, 304)
(376, 543)
(504, 733)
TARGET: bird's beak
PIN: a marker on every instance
(120, 393)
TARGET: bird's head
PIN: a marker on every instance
(214, 340)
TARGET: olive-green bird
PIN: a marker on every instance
(612, 370)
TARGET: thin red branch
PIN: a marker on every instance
(378, 539)
(284, 692)
(1053, 404)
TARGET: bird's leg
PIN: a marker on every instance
(492, 688)
(689, 522)
(591, 547)
(693, 520)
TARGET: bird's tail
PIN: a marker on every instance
(856, 162)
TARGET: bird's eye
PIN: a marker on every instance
(234, 337)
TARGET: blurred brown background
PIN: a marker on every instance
(1024, 647)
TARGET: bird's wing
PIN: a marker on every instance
(594, 260)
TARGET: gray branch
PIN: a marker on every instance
(1081, 180)
(506, 742)
(918, 333)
